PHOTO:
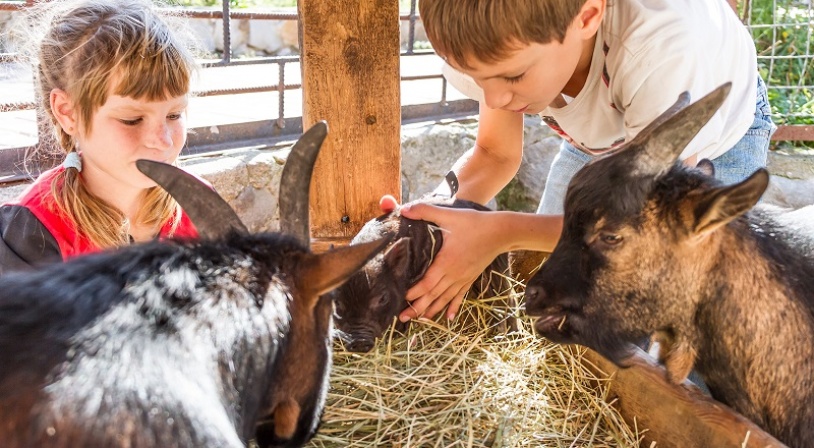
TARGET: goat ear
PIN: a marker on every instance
(320, 273)
(721, 205)
(706, 167)
(397, 256)
(659, 146)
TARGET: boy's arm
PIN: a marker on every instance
(494, 160)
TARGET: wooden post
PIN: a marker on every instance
(350, 78)
(674, 416)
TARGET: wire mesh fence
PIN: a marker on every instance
(782, 30)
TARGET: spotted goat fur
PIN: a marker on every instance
(206, 343)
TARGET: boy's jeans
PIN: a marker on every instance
(733, 166)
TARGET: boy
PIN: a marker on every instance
(597, 72)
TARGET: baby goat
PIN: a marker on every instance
(369, 301)
(205, 343)
(652, 247)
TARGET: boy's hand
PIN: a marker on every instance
(466, 252)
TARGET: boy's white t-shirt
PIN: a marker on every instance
(647, 53)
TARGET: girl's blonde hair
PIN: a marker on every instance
(487, 29)
(87, 45)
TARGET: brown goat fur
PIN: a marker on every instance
(651, 247)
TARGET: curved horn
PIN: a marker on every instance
(211, 215)
(682, 102)
(295, 183)
(664, 143)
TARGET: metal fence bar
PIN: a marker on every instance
(411, 33)
(246, 134)
(281, 88)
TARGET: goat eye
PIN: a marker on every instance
(610, 239)
(339, 308)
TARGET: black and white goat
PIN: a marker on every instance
(206, 343)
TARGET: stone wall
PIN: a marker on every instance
(249, 178)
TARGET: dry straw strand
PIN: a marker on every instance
(462, 384)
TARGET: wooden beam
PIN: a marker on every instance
(794, 132)
(734, 5)
(350, 73)
(674, 416)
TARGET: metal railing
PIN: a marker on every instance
(253, 133)
(787, 69)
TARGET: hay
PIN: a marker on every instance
(462, 385)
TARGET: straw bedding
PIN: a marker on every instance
(464, 384)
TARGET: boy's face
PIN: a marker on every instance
(124, 130)
(531, 77)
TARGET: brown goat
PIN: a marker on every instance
(653, 248)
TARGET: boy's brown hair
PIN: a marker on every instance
(487, 29)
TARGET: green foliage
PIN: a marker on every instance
(782, 30)
(783, 36)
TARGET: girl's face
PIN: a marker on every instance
(124, 130)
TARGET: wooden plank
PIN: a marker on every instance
(794, 132)
(350, 64)
(734, 5)
(675, 416)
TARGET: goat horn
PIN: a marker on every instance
(295, 183)
(644, 134)
(667, 138)
(211, 215)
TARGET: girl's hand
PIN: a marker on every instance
(469, 247)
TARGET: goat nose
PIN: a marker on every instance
(535, 300)
(360, 345)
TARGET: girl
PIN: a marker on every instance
(114, 81)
